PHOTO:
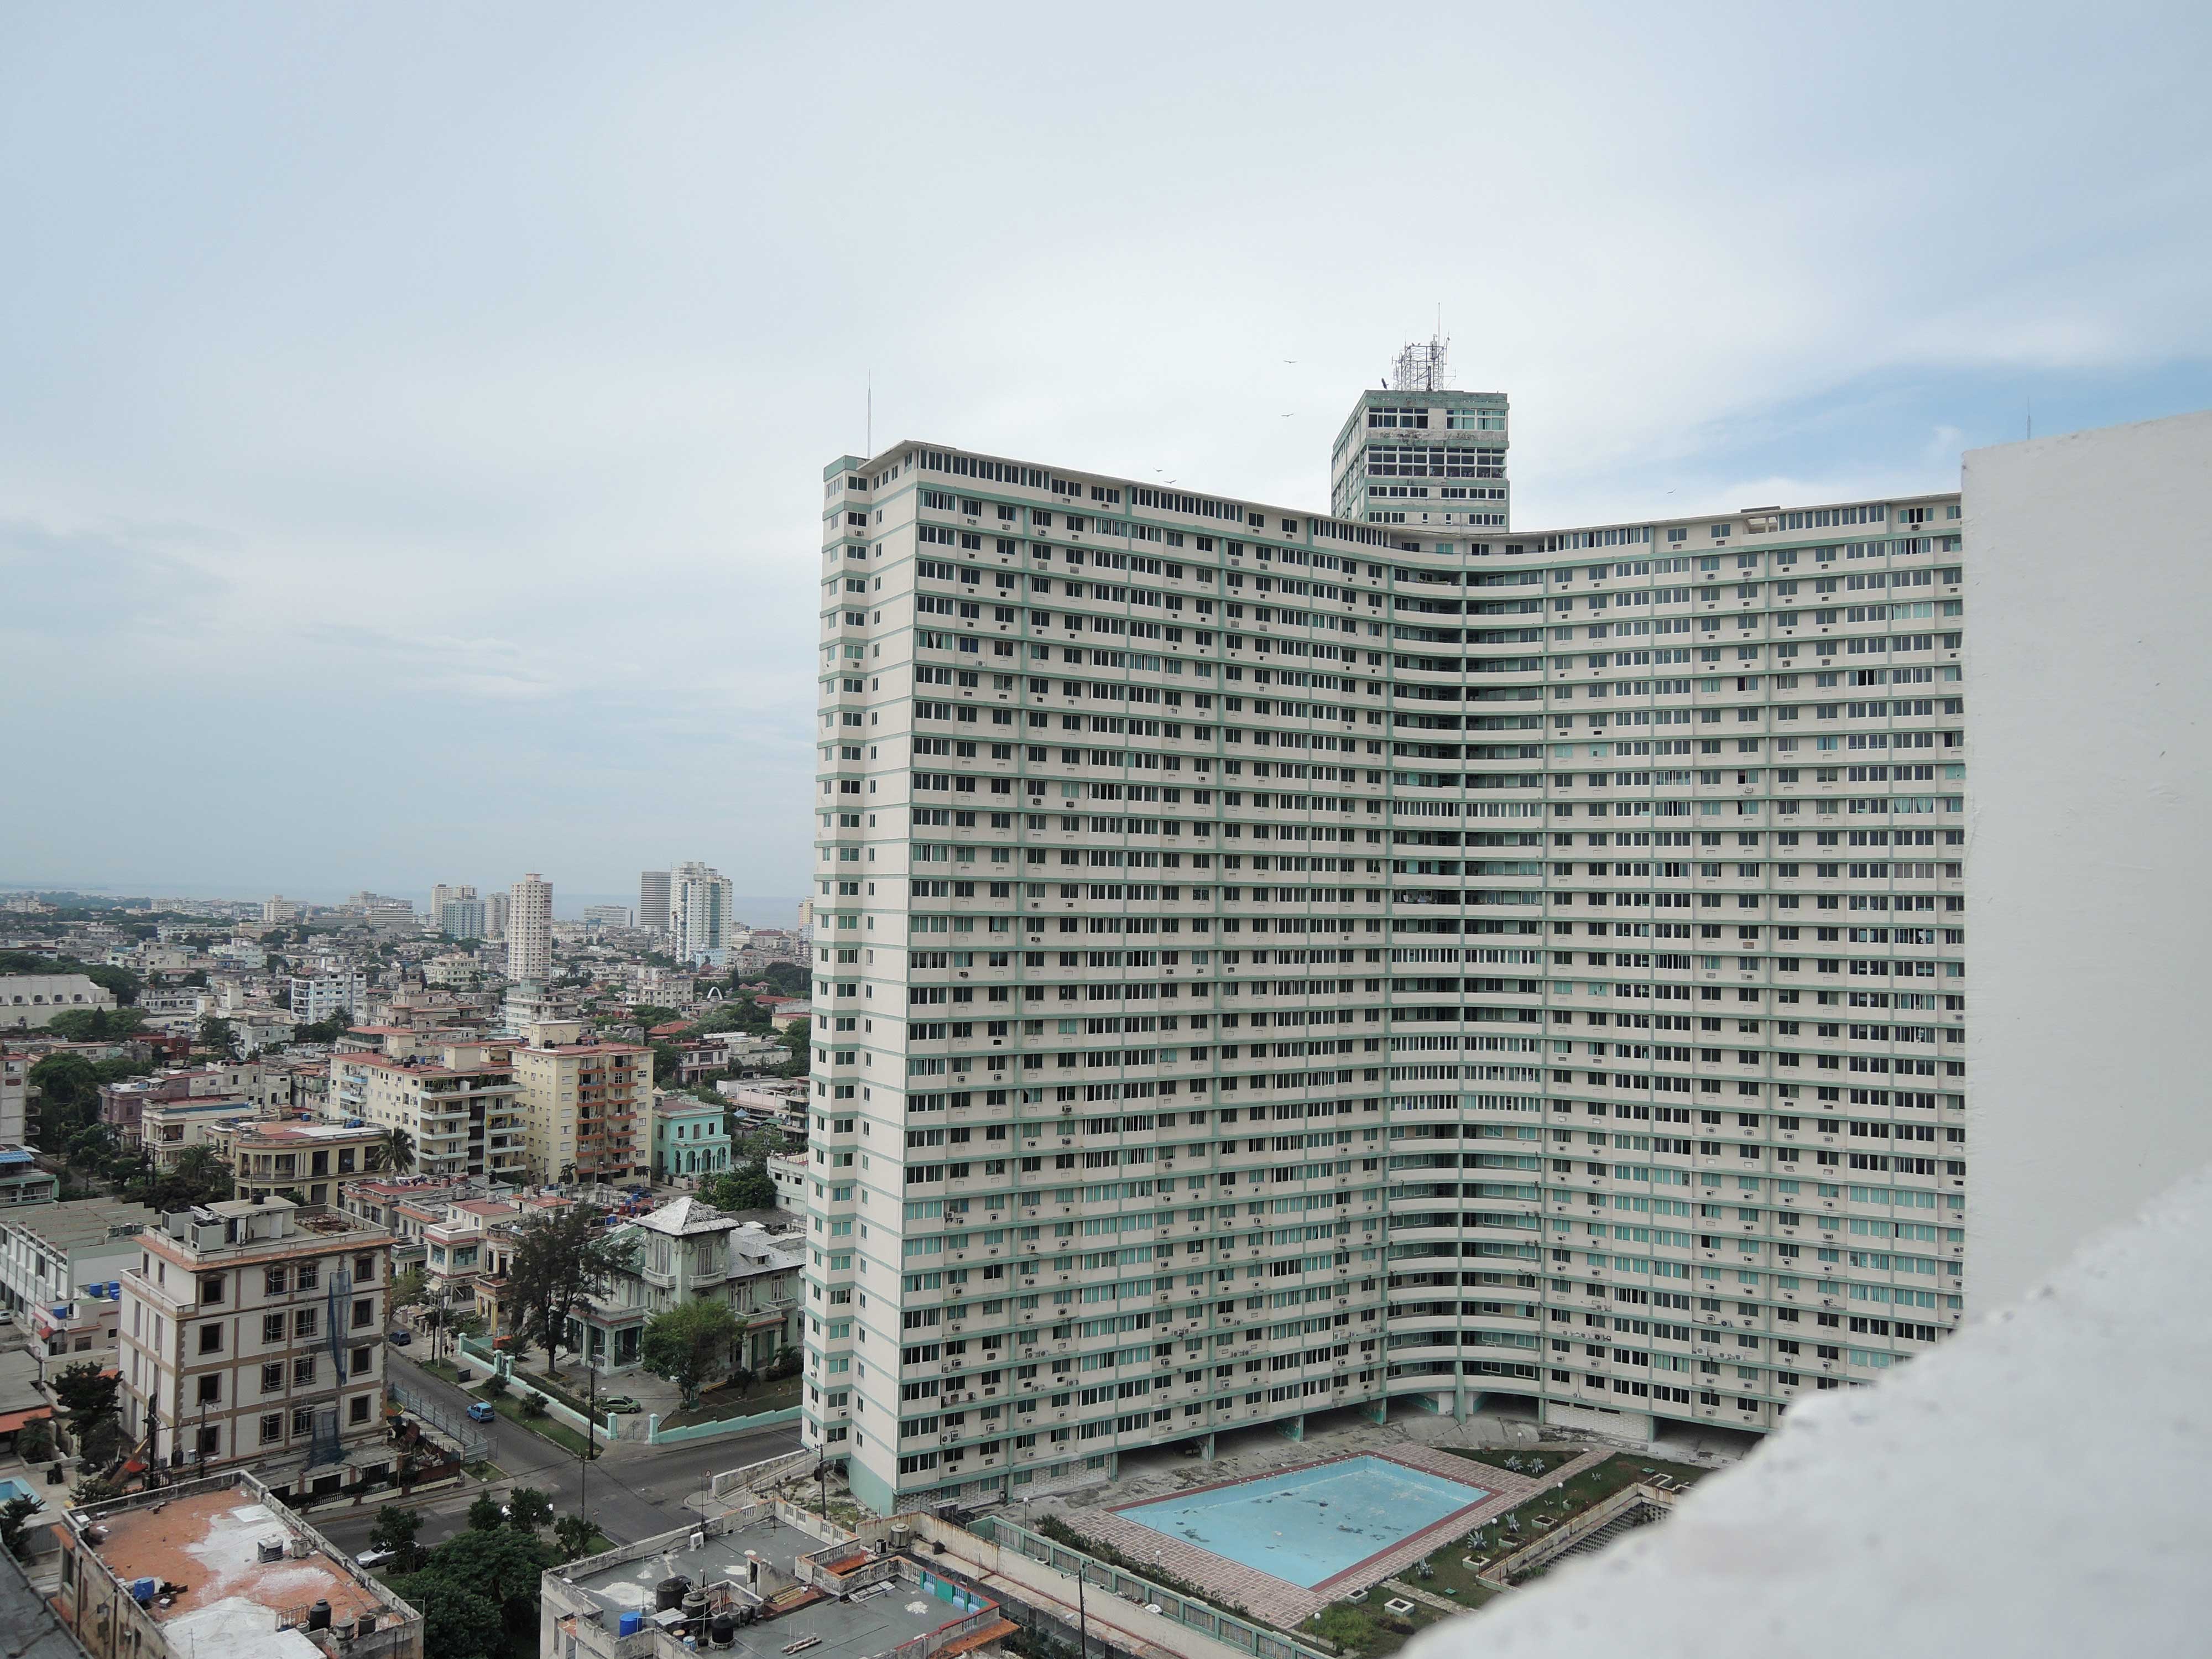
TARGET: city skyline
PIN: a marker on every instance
(338, 366)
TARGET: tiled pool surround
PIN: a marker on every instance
(1276, 1600)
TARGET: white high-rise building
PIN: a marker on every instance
(699, 900)
(530, 929)
(652, 899)
(1268, 963)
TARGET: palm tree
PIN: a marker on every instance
(396, 1152)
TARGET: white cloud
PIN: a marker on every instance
(507, 362)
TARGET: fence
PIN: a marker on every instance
(474, 1449)
(657, 1435)
(753, 1476)
(468, 1355)
(1247, 1635)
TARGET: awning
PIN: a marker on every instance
(11, 1421)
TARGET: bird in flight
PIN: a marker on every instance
(1289, 360)
(1291, 415)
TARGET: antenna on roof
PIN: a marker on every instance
(1423, 365)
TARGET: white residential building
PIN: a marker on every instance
(652, 899)
(1379, 960)
(253, 1331)
(530, 929)
(698, 913)
(316, 997)
(29, 1001)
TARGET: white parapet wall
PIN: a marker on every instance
(2089, 863)
(1999, 1496)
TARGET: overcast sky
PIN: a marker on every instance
(412, 418)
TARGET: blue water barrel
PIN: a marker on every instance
(630, 1623)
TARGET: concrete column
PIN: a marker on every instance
(1294, 1428)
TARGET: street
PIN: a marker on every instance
(633, 1491)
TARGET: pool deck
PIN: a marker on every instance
(1285, 1605)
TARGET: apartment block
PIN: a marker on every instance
(653, 899)
(253, 1332)
(529, 929)
(15, 1098)
(216, 1565)
(1268, 963)
(317, 997)
(1423, 458)
(313, 1159)
(587, 1107)
(460, 1105)
(699, 900)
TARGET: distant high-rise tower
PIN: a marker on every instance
(530, 928)
(699, 900)
(652, 899)
(495, 915)
(1419, 453)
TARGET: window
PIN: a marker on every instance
(211, 1288)
(364, 1313)
(211, 1440)
(210, 1339)
(272, 1327)
(272, 1378)
(303, 1372)
(277, 1280)
(304, 1320)
(357, 1412)
(310, 1274)
(303, 1420)
(272, 1428)
(211, 1388)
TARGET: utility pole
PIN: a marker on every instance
(1082, 1618)
(590, 1425)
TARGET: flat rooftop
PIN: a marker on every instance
(78, 1222)
(859, 1629)
(231, 1600)
(628, 1586)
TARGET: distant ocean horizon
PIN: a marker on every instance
(755, 911)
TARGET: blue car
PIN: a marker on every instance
(481, 1412)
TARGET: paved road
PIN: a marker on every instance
(633, 1491)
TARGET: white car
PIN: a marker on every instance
(369, 1560)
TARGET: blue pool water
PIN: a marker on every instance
(12, 1488)
(1311, 1524)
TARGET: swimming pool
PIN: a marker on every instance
(1311, 1524)
(13, 1488)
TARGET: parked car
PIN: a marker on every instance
(371, 1559)
(620, 1403)
(481, 1412)
(401, 1339)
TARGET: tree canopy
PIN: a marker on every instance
(96, 1024)
(690, 1345)
(560, 1258)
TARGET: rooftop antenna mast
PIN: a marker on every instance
(1423, 365)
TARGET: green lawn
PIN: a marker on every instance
(510, 1408)
(717, 1404)
(1592, 1486)
(574, 1400)
(1363, 1628)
